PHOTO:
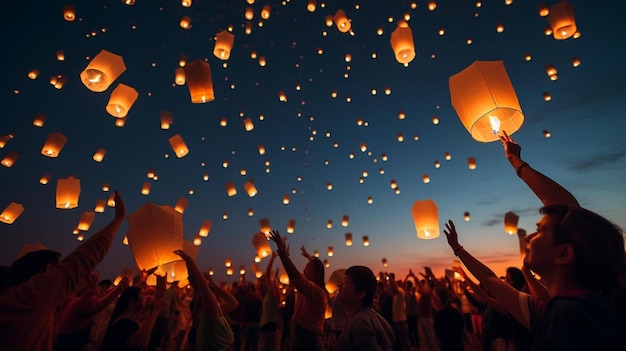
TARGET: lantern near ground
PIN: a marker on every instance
(256, 270)
(291, 226)
(348, 239)
(402, 43)
(335, 279)
(230, 189)
(561, 19)
(10, 159)
(224, 41)
(11, 212)
(178, 145)
(426, 219)
(86, 219)
(54, 144)
(484, 99)
(510, 222)
(98, 156)
(261, 245)
(166, 119)
(39, 120)
(205, 229)
(102, 71)
(342, 22)
(199, 82)
(122, 99)
(68, 192)
(264, 225)
(181, 205)
(154, 233)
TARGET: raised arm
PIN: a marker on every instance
(210, 306)
(546, 189)
(111, 295)
(267, 277)
(506, 295)
(283, 252)
(481, 295)
(534, 286)
(229, 302)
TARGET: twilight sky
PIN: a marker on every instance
(309, 138)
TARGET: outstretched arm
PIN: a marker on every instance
(481, 295)
(535, 287)
(506, 295)
(546, 189)
(210, 306)
(267, 277)
(283, 253)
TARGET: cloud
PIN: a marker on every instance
(598, 161)
(498, 218)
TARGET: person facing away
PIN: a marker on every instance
(38, 283)
(366, 329)
(580, 258)
(307, 323)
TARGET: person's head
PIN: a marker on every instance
(131, 299)
(589, 247)
(359, 286)
(515, 278)
(30, 264)
(314, 271)
(103, 286)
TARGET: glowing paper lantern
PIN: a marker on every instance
(85, 221)
(53, 145)
(198, 75)
(335, 279)
(179, 76)
(471, 162)
(11, 212)
(264, 225)
(122, 99)
(178, 145)
(366, 240)
(45, 179)
(561, 19)
(154, 233)
(68, 192)
(510, 222)
(250, 188)
(230, 189)
(247, 123)
(60, 55)
(185, 22)
(330, 251)
(166, 120)
(266, 11)
(100, 204)
(39, 120)
(466, 216)
(145, 188)
(10, 159)
(345, 220)
(484, 99)
(291, 226)
(181, 205)
(228, 263)
(402, 43)
(348, 238)
(261, 245)
(342, 22)
(224, 41)
(286, 199)
(102, 71)
(544, 10)
(205, 229)
(99, 155)
(69, 13)
(426, 219)
(311, 5)
(33, 74)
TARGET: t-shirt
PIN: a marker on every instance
(118, 334)
(367, 330)
(214, 334)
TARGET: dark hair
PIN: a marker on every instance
(364, 280)
(105, 283)
(517, 277)
(123, 302)
(30, 264)
(319, 269)
(598, 246)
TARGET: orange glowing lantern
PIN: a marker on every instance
(68, 191)
(145, 188)
(550, 70)
(484, 99)
(154, 233)
(266, 11)
(471, 162)
(39, 120)
(250, 188)
(330, 251)
(185, 22)
(69, 13)
(345, 220)
(466, 216)
(311, 5)
(198, 75)
(224, 41)
(230, 189)
(100, 204)
(178, 145)
(53, 145)
(86, 219)
(166, 119)
(425, 178)
(10, 159)
(45, 179)
(179, 76)
(544, 10)
(102, 71)
(329, 224)
(286, 199)
(60, 55)
(342, 22)
(98, 156)
(33, 74)
(205, 229)
(561, 19)
(366, 240)
(546, 96)
(291, 226)
(197, 240)
(111, 200)
(228, 263)
(402, 43)
(348, 238)
(264, 225)
(385, 262)
(122, 99)
(181, 205)
(261, 245)
(432, 6)
(335, 279)
(248, 125)
(11, 212)
(426, 219)
(575, 61)
(510, 222)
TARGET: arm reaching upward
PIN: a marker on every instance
(210, 306)
(267, 277)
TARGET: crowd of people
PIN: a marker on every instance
(570, 294)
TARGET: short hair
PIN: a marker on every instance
(598, 246)
(517, 277)
(364, 280)
(30, 264)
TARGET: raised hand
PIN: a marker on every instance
(120, 208)
(182, 254)
(451, 235)
(304, 253)
(274, 235)
(511, 147)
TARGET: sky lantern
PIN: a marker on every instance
(69, 13)
(266, 11)
(471, 162)
(185, 22)
(561, 19)
(230, 189)
(86, 219)
(291, 226)
(484, 99)
(366, 240)
(550, 70)
(250, 188)
(329, 224)
(181, 205)
(261, 245)
(264, 225)
(228, 262)
(54, 144)
(311, 5)
(154, 233)
(224, 41)
(510, 222)
(199, 82)
(122, 99)
(60, 55)
(111, 200)
(348, 238)
(256, 270)
(68, 191)
(385, 262)
(466, 216)
(205, 229)
(10, 159)
(402, 43)
(45, 179)
(425, 178)
(186, 3)
(179, 76)
(166, 119)
(33, 74)
(426, 219)
(248, 125)
(575, 61)
(39, 120)
(286, 199)
(342, 22)
(145, 188)
(543, 10)
(178, 145)
(335, 279)
(11, 212)
(546, 133)
(330, 251)
(432, 6)
(102, 71)
(98, 156)
(345, 220)
(546, 96)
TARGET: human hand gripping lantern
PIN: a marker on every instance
(483, 97)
